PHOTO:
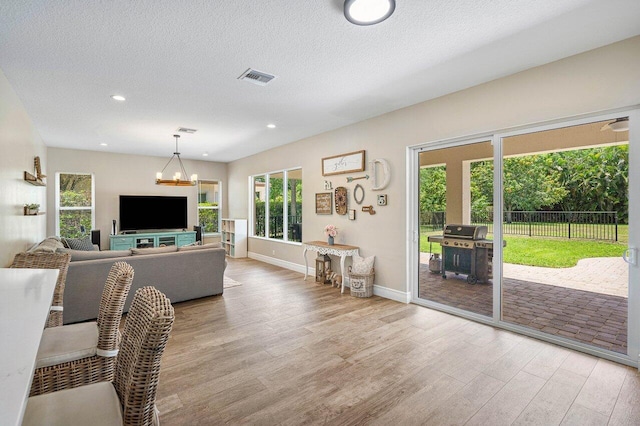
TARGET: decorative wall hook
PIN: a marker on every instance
(379, 185)
(327, 185)
(351, 179)
(369, 209)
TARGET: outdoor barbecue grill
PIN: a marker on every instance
(466, 250)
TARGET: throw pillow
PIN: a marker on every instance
(78, 243)
(199, 247)
(49, 244)
(153, 250)
(195, 243)
(362, 265)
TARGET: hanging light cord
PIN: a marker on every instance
(176, 154)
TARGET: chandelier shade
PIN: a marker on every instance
(180, 177)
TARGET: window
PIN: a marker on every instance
(294, 204)
(209, 206)
(259, 201)
(277, 205)
(75, 204)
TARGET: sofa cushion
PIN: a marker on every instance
(78, 243)
(49, 244)
(67, 343)
(199, 247)
(153, 250)
(95, 254)
(85, 405)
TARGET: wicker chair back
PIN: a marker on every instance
(144, 338)
(46, 260)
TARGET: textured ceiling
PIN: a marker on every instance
(177, 63)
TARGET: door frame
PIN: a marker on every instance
(413, 229)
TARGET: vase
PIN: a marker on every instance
(330, 240)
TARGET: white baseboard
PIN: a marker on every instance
(387, 293)
(281, 263)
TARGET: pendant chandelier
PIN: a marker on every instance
(177, 179)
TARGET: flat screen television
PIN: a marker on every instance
(146, 212)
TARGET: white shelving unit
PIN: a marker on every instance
(234, 237)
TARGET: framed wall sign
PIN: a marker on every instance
(323, 203)
(343, 163)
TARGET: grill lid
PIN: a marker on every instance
(469, 232)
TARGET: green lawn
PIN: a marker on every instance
(549, 252)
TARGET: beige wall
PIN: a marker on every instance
(581, 84)
(120, 174)
(19, 144)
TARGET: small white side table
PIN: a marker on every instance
(322, 247)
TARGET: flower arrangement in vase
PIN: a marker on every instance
(330, 231)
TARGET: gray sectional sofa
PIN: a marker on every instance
(181, 275)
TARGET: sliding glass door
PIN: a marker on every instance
(533, 231)
(566, 224)
(455, 267)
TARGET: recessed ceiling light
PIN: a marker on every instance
(103, 144)
(368, 12)
(206, 154)
(118, 98)
(271, 126)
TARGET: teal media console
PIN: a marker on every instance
(151, 239)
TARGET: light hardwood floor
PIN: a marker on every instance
(279, 350)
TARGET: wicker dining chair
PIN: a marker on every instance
(130, 398)
(84, 353)
(46, 260)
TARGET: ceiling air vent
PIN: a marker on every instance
(186, 130)
(256, 77)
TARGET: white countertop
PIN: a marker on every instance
(25, 298)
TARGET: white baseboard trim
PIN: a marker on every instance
(281, 263)
(387, 293)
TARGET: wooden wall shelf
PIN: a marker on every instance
(28, 177)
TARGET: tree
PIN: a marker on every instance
(433, 194)
(433, 188)
(482, 188)
(529, 183)
(595, 179)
